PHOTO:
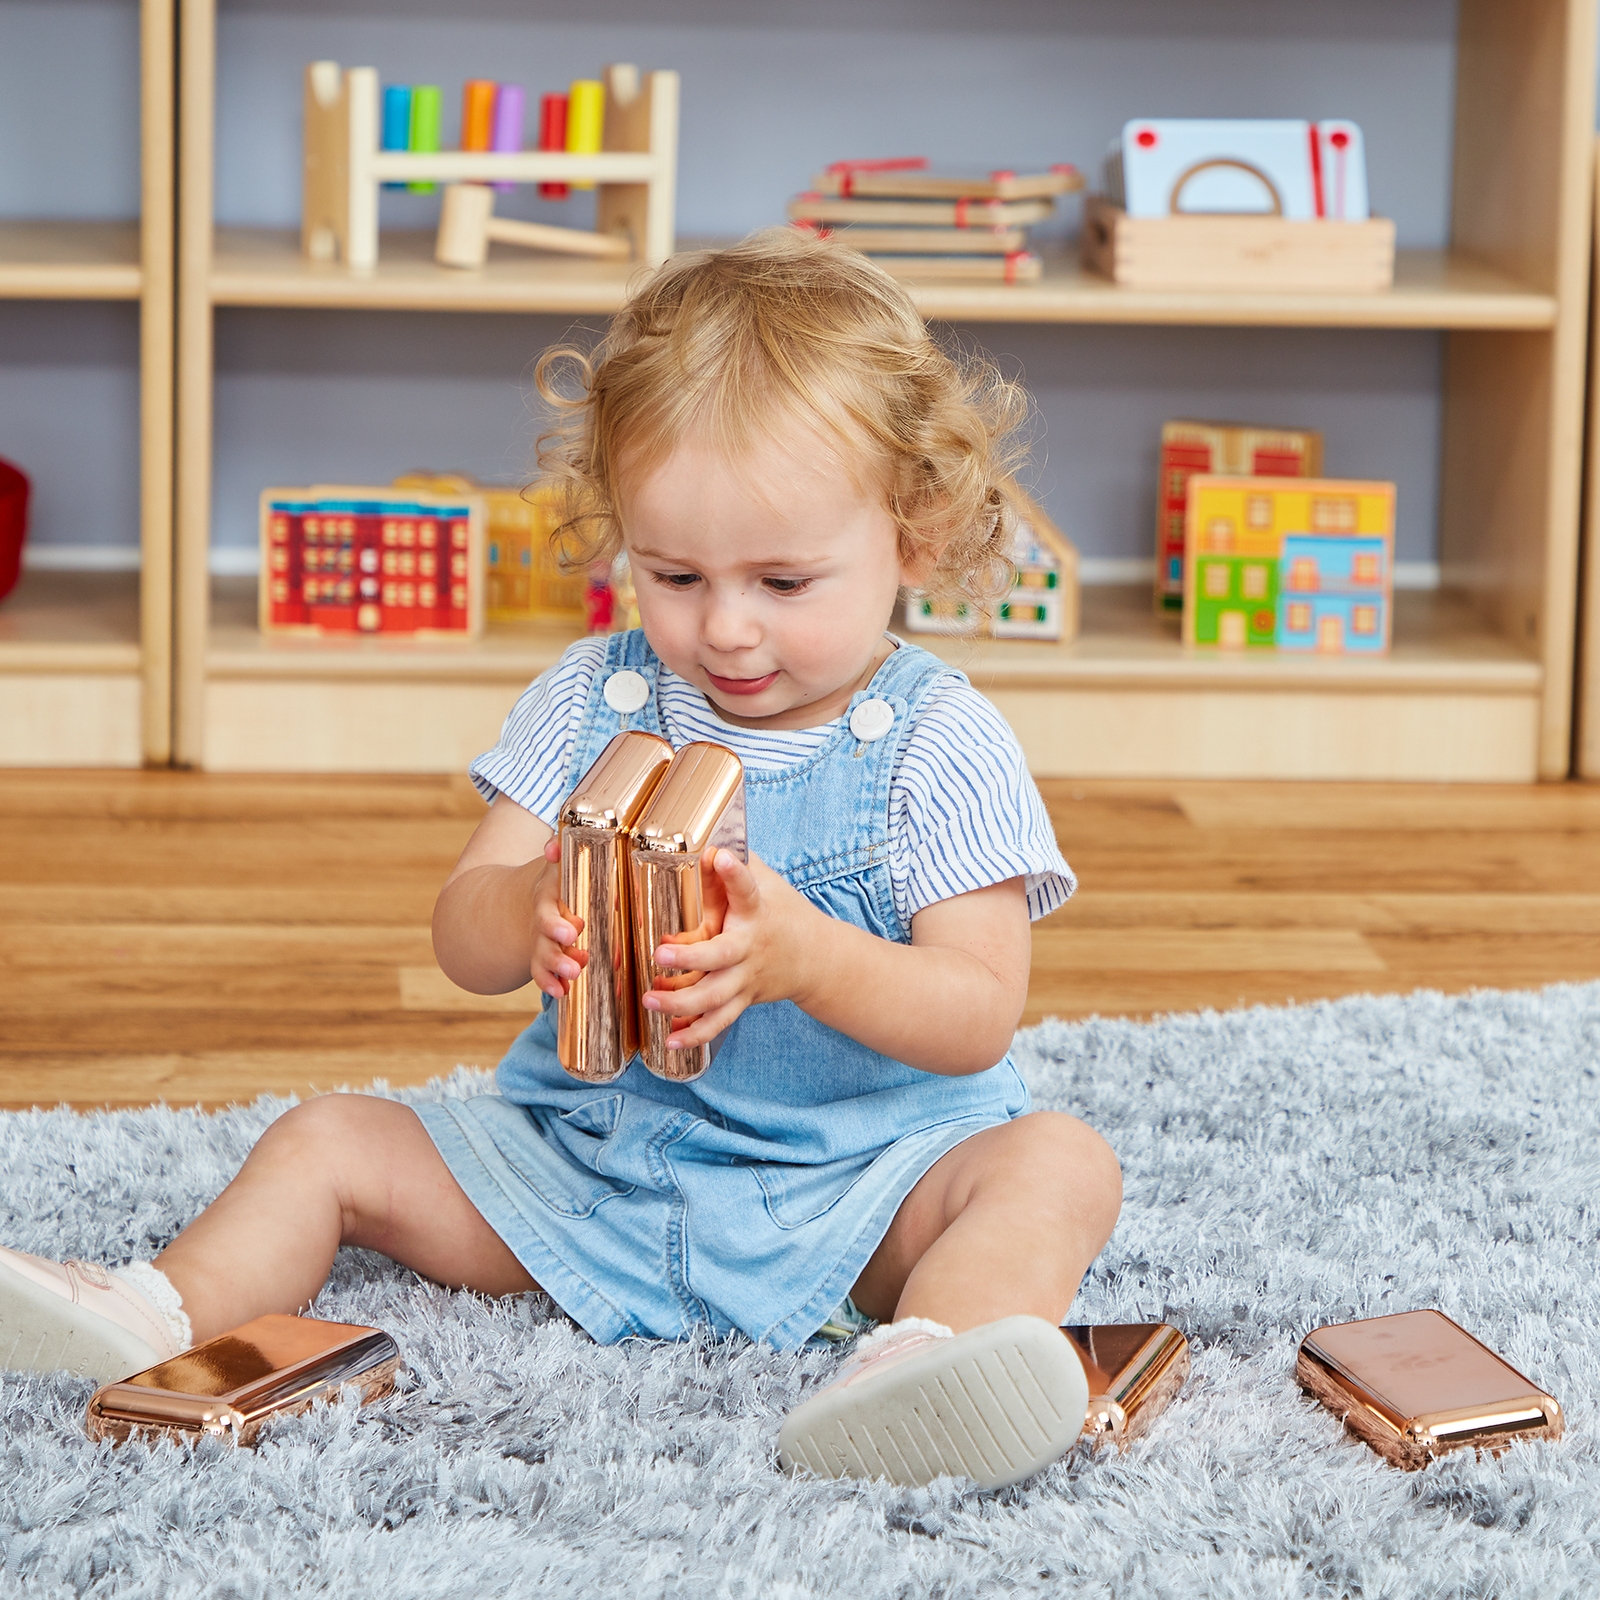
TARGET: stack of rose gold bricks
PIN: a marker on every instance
(638, 836)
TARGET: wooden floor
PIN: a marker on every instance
(200, 938)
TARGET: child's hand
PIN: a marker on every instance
(555, 930)
(758, 955)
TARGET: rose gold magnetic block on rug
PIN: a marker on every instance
(1135, 1370)
(229, 1386)
(1415, 1385)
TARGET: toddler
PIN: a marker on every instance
(770, 435)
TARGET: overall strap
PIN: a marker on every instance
(825, 822)
(615, 703)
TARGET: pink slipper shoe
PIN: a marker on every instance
(77, 1317)
(995, 1404)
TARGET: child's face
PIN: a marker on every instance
(767, 582)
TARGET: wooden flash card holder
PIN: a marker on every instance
(1237, 252)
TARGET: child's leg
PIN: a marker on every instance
(341, 1169)
(1006, 1223)
(978, 1268)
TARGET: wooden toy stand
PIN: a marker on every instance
(636, 173)
(1225, 252)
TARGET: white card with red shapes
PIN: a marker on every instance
(1253, 167)
(1343, 175)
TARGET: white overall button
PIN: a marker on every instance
(870, 720)
(626, 691)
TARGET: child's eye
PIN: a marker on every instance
(676, 580)
(788, 585)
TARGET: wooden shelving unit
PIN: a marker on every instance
(86, 658)
(1478, 685)
(1586, 742)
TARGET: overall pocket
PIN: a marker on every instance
(559, 1160)
(800, 1193)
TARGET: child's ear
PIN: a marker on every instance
(917, 562)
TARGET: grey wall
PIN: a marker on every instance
(770, 93)
(69, 108)
(69, 417)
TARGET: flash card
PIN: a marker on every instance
(1341, 171)
(1264, 167)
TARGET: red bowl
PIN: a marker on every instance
(13, 525)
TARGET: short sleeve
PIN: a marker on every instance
(529, 765)
(964, 812)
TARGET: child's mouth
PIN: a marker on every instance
(742, 685)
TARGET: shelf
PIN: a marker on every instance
(1440, 645)
(70, 665)
(1452, 700)
(69, 261)
(1433, 289)
(71, 622)
(507, 652)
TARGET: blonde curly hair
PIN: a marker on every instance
(783, 328)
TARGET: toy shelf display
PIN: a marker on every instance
(1224, 449)
(619, 136)
(1042, 602)
(1266, 204)
(919, 224)
(1290, 564)
(337, 560)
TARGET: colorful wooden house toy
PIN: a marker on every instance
(352, 561)
(1042, 602)
(524, 580)
(1290, 564)
(1234, 449)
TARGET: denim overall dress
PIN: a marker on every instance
(752, 1197)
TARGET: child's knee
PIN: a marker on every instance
(322, 1133)
(1067, 1162)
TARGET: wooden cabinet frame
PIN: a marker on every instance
(1478, 686)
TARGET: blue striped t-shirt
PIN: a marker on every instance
(963, 811)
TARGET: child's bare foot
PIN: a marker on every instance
(996, 1404)
(78, 1317)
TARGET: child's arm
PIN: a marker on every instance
(498, 920)
(948, 1002)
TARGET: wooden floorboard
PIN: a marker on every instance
(204, 939)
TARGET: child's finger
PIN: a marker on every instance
(693, 1000)
(561, 927)
(744, 893)
(704, 1029)
(552, 849)
(708, 955)
(554, 968)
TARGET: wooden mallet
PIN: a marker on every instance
(467, 223)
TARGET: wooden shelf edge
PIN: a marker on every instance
(69, 259)
(1434, 290)
(107, 660)
(69, 281)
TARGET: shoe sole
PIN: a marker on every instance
(995, 1404)
(42, 1331)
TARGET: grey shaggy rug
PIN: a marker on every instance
(1284, 1168)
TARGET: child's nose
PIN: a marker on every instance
(730, 623)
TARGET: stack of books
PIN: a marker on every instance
(920, 224)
